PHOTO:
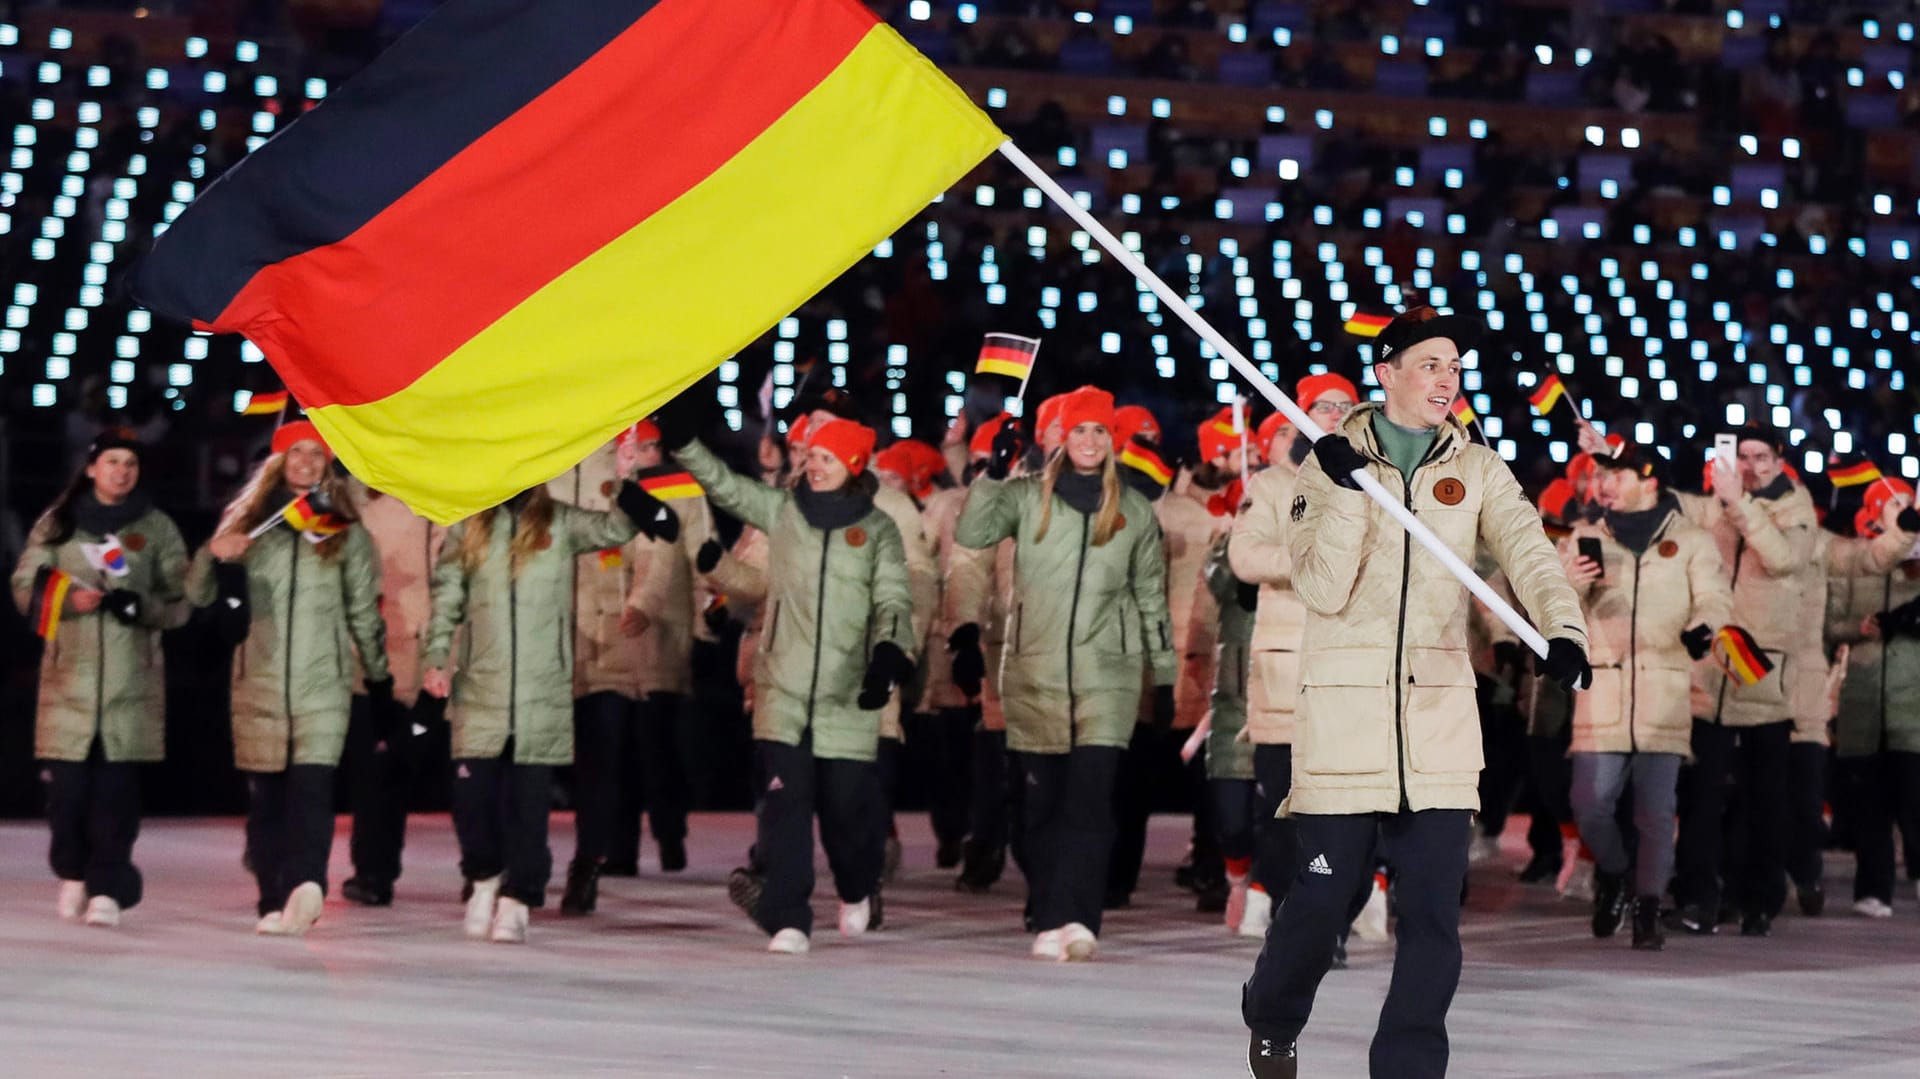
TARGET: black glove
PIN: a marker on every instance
(648, 513)
(888, 667)
(709, 556)
(232, 617)
(1566, 663)
(1007, 446)
(1699, 640)
(1162, 708)
(677, 423)
(1340, 460)
(386, 718)
(1902, 621)
(123, 604)
(1248, 595)
(1909, 520)
(969, 662)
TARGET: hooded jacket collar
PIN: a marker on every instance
(1448, 440)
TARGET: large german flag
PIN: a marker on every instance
(532, 220)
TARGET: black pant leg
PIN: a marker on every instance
(113, 826)
(1869, 787)
(1807, 801)
(1503, 734)
(1043, 781)
(1427, 852)
(990, 796)
(526, 809)
(1234, 811)
(1904, 779)
(1702, 807)
(267, 837)
(664, 767)
(853, 825)
(1276, 845)
(784, 837)
(602, 725)
(951, 732)
(1208, 860)
(309, 824)
(1086, 834)
(68, 786)
(1132, 804)
(378, 781)
(476, 816)
(1766, 774)
(1337, 857)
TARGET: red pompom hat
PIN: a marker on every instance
(849, 442)
(298, 431)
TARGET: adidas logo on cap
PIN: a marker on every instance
(1319, 865)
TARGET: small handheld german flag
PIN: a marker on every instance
(671, 485)
(1547, 394)
(1740, 655)
(1008, 355)
(1858, 474)
(310, 515)
(1361, 325)
(50, 586)
(266, 404)
(610, 558)
(1142, 458)
(1463, 411)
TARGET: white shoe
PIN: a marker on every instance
(1371, 926)
(73, 899)
(854, 917)
(1871, 907)
(1259, 914)
(1048, 945)
(269, 925)
(103, 912)
(1579, 883)
(510, 922)
(480, 905)
(1078, 943)
(1485, 848)
(302, 909)
(1236, 902)
(789, 942)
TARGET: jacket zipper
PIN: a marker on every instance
(1633, 659)
(1886, 653)
(100, 680)
(819, 624)
(1400, 628)
(513, 641)
(1073, 619)
(1720, 702)
(286, 680)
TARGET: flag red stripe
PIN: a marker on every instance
(1010, 355)
(367, 316)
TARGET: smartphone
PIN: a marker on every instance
(1726, 448)
(1590, 548)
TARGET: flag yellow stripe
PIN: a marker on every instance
(644, 317)
(1001, 367)
(680, 490)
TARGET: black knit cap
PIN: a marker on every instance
(1642, 461)
(1754, 431)
(114, 438)
(1418, 324)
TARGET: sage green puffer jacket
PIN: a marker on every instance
(293, 676)
(831, 596)
(1880, 699)
(99, 676)
(1229, 754)
(1088, 625)
(514, 674)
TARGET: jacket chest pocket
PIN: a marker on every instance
(1442, 713)
(1346, 712)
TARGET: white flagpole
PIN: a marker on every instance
(1301, 421)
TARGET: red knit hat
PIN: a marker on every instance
(1048, 414)
(1219, 436)
(644, 431)
(982, 442)
(913, 461)
(1269, 428)
(298, 431)
(849, 442)
(1881, 490)
(1088, 404)
(1556, 498)
(1580, 468)
(1314, 387)
(797, 431)
(1134, 421)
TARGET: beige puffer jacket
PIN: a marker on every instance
(741, 577)
(1880, 698)
(1259, 555)
(923, 579)
(979, 590)
(1189, 529)
(407, 544)
(937, 517)
(1767, 546)
(1639, 700)
(1388, 716)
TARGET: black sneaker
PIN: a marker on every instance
(1543, 869)
(367, 893)
(1268, 1059)
(1756, 924)
(1609, 903)
(1339, 952)
(980, 867)
(948, 853)
(1117, 901)
(1692, 919)
(673, 856)
(1211, 898)
(743, 889)
(583, 889)
(1647, 935)
(621, 867)
(1813, 899)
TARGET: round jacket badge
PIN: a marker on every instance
(134, 541)
(606, 488)
(1120, 522)
(1668, 548)
(1450, 492)
(856, 536)
(543, 543)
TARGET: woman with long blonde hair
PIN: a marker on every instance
(305, 596)
(1089, 624)
(506, 575)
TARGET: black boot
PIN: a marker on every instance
(1267, 1059)
(876, 910)
(1609, 903)
(367, 893)
(980, 866)
(583, 889)
(1339, 951)
(620, 867)
(743, 889)
(1647, 934)
(1211, 896)
(1813, 899)
(1756, 924)
(948, 853)
(1693, 919)
(673, 856)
